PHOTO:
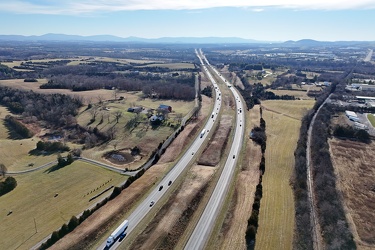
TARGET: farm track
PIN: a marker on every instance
(316, 230)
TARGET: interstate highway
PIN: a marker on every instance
(141, 211)
(203, 229)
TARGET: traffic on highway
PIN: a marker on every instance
(203, 229)
(157, 193)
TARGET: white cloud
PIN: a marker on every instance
(91, 6)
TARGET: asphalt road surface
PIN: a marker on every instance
(156, 194)
(203, 229)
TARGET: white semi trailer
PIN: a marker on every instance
(119, 232)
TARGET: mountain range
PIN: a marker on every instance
(176, 40)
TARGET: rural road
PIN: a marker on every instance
(157, 193)
(100, 164)
(317, 241)
(203, 229)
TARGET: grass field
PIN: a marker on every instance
(33, 199)
(371, 118)
(171, 65)
(143, 136)
(276, 217)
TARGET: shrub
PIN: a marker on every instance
(8, 185)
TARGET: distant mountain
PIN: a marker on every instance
(311, 42)
(110, 38)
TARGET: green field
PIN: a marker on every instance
(371, 118)
(33, 199)
(276, 216)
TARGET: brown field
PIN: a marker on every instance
(232, 234)
(37, 213)
(212, 154)
(276, 216)
(301, 94)
(87, 96)
(355, 172)
(164, 230)
(170, 65)
(94, 230)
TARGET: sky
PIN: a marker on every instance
(265, 20)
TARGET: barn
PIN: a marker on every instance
(165, 107)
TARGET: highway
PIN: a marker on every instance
(203, 229)
(156, 194)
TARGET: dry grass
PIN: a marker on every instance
(301, 94)
(276, 217)
(171, 65)
(354, 168)
(93, 231)
(232, 235)
(212, 154)
(33, 198)
(167, 222)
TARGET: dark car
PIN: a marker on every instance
(152, 203)
(169, 183)
(234, 156)
(160, 188)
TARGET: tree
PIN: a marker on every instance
(118, 115)
(3, 169)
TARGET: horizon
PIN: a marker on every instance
(269, 21)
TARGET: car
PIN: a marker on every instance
(234, 156)
(192, 153)
(152, 203)
(169, 183)
(161, 187)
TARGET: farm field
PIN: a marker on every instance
(170, 65)
(17, 160)
(355, 173)
(80, 60)
(33, 198)
(276, 216)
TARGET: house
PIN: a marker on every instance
(135, 109)
(165, 107)
(155, 118)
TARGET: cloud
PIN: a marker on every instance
(72, 7)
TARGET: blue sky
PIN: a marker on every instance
(266, 20)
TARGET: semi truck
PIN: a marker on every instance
(119, 232)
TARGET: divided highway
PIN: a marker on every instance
(156, 194)
(203, 229)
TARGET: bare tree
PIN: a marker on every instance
(114, 94)
(93, 111)
(3, 169)
(100, 99)
(179, 117)
(117, 115)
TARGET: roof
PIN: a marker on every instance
(350, 113)
(365, 97)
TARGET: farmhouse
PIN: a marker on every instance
(135, 109)
(165, 107)
(154, 118)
